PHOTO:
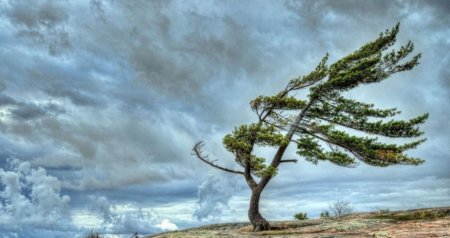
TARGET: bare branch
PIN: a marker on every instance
(197, 151)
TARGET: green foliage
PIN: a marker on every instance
(325, 214)
(357, 115)
(241, 141)
(301, 216)
(366, 149)
(368, 64)
(259, 168)
(315, 76)
(309, 148)
(320, 123)
(243, 137)
(277, 102)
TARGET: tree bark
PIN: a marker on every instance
(257, 220)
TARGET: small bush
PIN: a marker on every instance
(301, 216)
(325, 214)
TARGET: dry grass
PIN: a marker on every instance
(414, 215)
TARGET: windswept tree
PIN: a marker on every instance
(321, 124)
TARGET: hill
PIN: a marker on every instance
(428, 222)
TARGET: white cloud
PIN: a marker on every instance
(166, 225)
(110, 100)
(127, 219)
(213, 196)
(31, 200)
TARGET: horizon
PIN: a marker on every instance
(102, 101)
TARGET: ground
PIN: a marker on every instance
(429, 222)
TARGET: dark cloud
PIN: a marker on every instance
(27, 112)
(440, 8)
(98, 6)
(47, 13)
(43, 23)
(2, 86)
(78, 98)
(108, 97)
(6, 100)
(185, 64)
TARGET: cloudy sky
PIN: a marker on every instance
(101, 102)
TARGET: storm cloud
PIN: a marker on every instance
(101, 102)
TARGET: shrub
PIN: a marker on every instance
(325, 214)
(341, 208)
(301, 216)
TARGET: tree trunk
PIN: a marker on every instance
(258, 222)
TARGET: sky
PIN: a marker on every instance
(101, 102)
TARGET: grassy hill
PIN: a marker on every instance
(429, 222)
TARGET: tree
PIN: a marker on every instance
(321, 124)
(341, 208)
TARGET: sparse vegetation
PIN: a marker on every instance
(301, 216)
(325, 214)
(430, 222)
(416, 215)
(341, 208)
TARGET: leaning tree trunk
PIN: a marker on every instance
(258, 222)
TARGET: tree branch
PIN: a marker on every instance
(197, 151)
(248, 176)
(354, 153)
(280, 152)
